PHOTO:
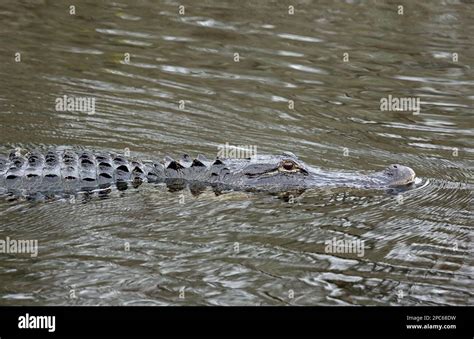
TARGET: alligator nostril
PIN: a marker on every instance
(395, 166)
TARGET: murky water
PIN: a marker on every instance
(166, 83)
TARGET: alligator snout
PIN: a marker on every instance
(400, 175)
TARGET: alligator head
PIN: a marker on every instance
(285, 172)
(288, 172)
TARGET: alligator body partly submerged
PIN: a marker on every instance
(73, 171)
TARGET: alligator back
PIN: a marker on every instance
(69, 171)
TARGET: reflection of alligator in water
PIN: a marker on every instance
(72, 171)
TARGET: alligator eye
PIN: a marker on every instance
(288, 165)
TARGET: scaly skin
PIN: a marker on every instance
(72, 171)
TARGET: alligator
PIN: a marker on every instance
(69, 171)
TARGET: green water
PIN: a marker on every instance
(167, 84)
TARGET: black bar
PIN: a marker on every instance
(240, 321)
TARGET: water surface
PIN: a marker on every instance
(150, 246)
